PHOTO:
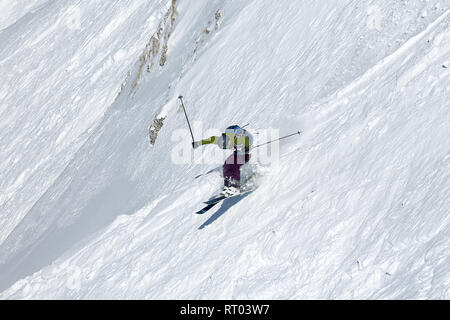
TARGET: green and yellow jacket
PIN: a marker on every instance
(229, 141)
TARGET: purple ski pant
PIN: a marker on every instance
(232, 168)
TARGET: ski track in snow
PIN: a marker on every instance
(356, 208)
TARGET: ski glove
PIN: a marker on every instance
(196, 144)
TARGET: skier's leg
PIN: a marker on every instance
(231, 172)
(232, 169)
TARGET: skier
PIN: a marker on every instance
(237, 139)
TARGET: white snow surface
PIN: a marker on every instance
(356, 208)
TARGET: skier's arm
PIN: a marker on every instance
(211, 140)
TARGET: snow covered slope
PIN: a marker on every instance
(356, 207)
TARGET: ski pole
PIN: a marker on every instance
(263, 144)
(184, 109)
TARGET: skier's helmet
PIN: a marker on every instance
(237, 131)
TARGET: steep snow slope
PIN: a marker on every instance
(63, 66)
(12, 11)
(355, 208)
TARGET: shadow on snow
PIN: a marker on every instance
(226, 204)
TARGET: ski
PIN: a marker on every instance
(246, 188)
(216, 199)
(212, 202)
(209, 206)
